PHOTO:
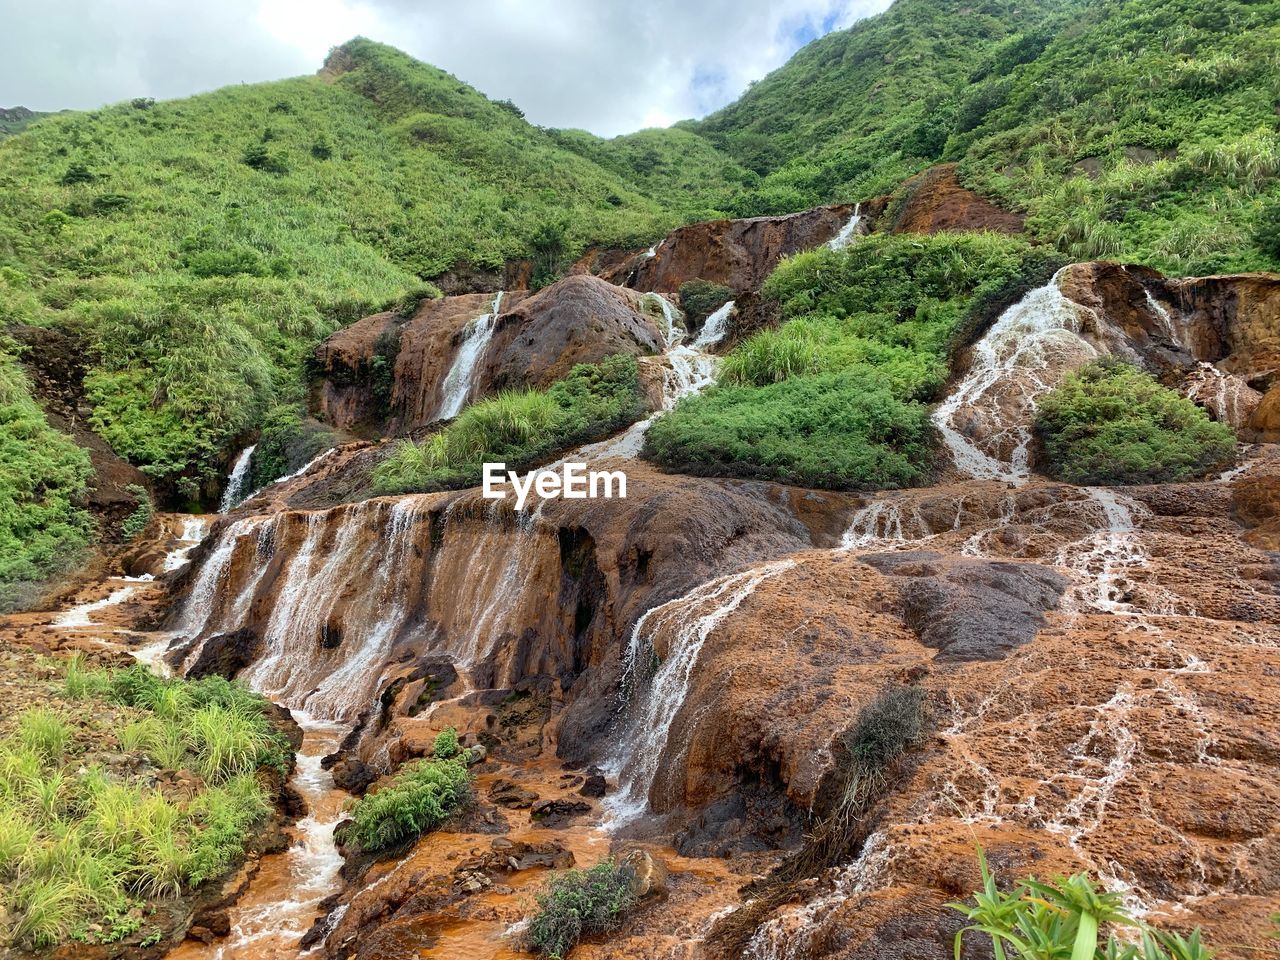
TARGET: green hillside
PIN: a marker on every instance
(1122, 128)
(205, 245)
(200, 248)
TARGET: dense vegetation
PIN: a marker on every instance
(205, 245)
(1061, 918)
(577, 904)
(520, 428)
(836, 396)
(1110, 423)
(202, 247)
(43, 477)
(421, 797)
(86, 840)
(1122, 128)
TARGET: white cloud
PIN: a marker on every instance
(609, 67)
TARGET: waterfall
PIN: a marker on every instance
(199, 607)
(986, 421)
(1165, 321)
(459, 383)
(715, 328)
(193, 531)
(848, 233)
(686, 370)
(236, 483)
(1228, 397)
(879, 522)
(338, 589)
(659, 686)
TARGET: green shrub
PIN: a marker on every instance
(1110, 423)
(838, 431)
(519, 428)
(834, 397)
(701, 298)
(422, 796)
(137, 521)
(580, 903)
(446, 746)
(1061, 918)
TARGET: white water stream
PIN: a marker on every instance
(659, 685)
(849, 232)
(460, 381)
(238, 481)
(986, 420)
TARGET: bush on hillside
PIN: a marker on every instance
(520, 428)
(44, 479)
(834, 397)
(421, 797)
(1110, 423)
(844, 431)
(577, 904)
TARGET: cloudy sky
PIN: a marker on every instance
(610, 66)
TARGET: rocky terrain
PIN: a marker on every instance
(669, 676)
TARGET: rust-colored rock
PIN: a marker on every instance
(934, 201)
(387, 373)
(738, 254)
(580, 319)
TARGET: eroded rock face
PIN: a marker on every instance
(934, 201)
(386, 373)
(970, 609)
(738, 254)
(580, 319)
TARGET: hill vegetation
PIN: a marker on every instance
(837, 396)
(202, 247)
(1123, 128)
(205, 245)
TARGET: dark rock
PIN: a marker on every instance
(558, 811)
(594, 786)
(353, 775)
(970, 609)
(226, 654)
(507, 793)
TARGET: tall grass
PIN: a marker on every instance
(82, 845)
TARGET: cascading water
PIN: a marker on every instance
(986, 421)
(1172, 330)
(849, 232)
(659, 686)
(1227, 397)
(238, 481)
(459, 383)
(686, 370)
(716, 327)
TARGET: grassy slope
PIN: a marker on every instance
(202, 279)
(1174, 102)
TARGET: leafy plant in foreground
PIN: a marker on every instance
(1064, 918)
(580, 903)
